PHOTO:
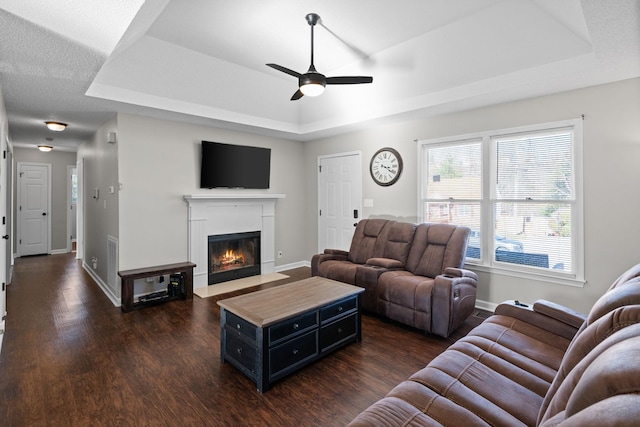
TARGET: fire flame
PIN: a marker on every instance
(230, 257)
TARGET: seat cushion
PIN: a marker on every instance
(406, 298)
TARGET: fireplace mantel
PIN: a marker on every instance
(223, 213)
(191, 198)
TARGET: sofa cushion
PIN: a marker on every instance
(497, 375)
(436, 247)
(368, 240)
(406, 298)
(398, 241)
(613, 327)
(603, 384)
(604, 318)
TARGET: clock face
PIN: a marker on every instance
(386, 166)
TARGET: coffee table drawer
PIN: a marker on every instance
(339, 331)
(292, 326)
(241, 326)
(285, 357)
(338, 308)
(241, 352)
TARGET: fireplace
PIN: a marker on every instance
(233, 256)
(223, 213)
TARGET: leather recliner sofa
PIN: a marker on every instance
(540, 365)
(411, 273)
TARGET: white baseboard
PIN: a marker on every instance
(59, 251)
(114, 299)
(281, 268)
(1, 335)
(486, 305)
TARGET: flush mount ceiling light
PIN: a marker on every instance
(56, 126)
(45, 148)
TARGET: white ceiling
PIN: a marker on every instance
(203, 61)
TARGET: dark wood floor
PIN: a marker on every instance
(70, 358)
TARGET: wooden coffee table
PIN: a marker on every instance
(271, 333)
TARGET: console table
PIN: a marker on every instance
(271, 333)
(129, 276)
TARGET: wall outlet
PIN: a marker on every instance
(279, 254)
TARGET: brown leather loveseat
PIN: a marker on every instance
(541, 365)
(411, 273)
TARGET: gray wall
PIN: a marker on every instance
(59, 161)
(611, 177)
(100, 170)
(159, 162)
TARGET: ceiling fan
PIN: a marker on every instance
(312, 83)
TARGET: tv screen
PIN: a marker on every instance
(234, 166)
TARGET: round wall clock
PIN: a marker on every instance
(386, 166)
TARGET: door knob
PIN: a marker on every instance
(5, 237)
(44, 214)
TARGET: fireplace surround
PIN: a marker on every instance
(225, 213)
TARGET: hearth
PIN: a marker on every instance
(233, 256)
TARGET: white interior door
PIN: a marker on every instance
(339, 199)
(80, 210)
(72, 204)
(34, 208)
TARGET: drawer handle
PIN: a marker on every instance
(239, 351)
(339, 330)
(340, 309)
(295, 351)
(296, 326)
(239, 326)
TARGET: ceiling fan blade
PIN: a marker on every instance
(285, 70)
(348, 80)
(297, 95)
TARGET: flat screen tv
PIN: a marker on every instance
(234, 166)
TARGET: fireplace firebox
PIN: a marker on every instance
(233, 256)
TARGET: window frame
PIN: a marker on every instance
(488, 161)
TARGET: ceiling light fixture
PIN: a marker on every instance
(56, 126)
(45, 148)
(312, 84)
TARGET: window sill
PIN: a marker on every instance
(541, 277)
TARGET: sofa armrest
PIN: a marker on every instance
(329, 254)
(336, 252)
(453, 300)
(546, 315)
(460, 272)
(387, 263)
(559, 312)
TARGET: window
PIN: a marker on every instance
(520, 192)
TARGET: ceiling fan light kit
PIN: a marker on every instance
(313, 83)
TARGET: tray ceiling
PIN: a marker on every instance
(203, 61)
